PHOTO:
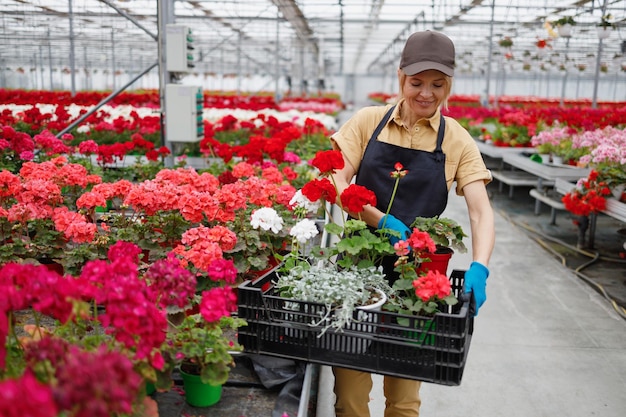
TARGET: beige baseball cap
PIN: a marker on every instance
(428, 50)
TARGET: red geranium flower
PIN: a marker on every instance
(589, 197)
(320, 189)
(421, 242)
(355, 197)
(434, 286)
(328, 161)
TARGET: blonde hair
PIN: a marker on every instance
(448, 88)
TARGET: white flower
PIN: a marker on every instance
(267, 219)
(83, 129)
(304, 230)
(300, 200)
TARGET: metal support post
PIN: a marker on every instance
(72, 59)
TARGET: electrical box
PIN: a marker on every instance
(183, 113)
(178, 48)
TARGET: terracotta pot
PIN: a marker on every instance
(438, 262)
(52, 266)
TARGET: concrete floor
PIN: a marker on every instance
(546, 343)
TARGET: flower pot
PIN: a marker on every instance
(557, 160)
(150, 388)
(438, 262)
(603, 32)
(199, 394)
(565, 30)
(424, 335)
(364, 325)
(272, 263)
(52, 265)
(364, 315)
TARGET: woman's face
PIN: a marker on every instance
(424, 92)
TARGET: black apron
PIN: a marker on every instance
(422, 192)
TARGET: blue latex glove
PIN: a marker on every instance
(389, 221)
(476, 281)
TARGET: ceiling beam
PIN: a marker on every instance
(372, 22)
(292, 13)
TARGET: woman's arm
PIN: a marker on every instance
(481, 221)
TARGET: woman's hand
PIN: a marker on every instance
(476, 282)
(389, 221)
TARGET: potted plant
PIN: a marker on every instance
(505, 42)
(565, 20)
(204, 345)
(446, 233)
(552, 141)
(342, 292)
(604, 26)
(564, 25)
(542, 43)
(419, 294)
(201, 336)
(589, 196)
(604, 153)
(357, 249)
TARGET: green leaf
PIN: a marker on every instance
(353, 245)
(353, 225)
(333, 229)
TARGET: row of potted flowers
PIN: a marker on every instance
(186, 225)
(195, 235)
(329, 104)
(251, 139)
(112, 125)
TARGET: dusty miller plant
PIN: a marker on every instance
(340, 291)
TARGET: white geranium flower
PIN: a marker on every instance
(304, 230)
(83, 129)
(300, 200)
(267, 219)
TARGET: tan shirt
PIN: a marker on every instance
(464, 163)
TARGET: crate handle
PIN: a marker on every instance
(469, 297)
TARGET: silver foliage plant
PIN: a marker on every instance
(340, 291)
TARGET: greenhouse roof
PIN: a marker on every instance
(311, 38)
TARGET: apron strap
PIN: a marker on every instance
(383, 122)
(442, 128)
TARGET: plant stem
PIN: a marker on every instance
(393, 196)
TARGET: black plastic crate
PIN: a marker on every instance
(428, 349)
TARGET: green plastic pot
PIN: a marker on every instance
(199, 394)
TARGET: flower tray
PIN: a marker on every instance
(431, 349)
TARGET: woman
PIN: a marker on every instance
(437, 151)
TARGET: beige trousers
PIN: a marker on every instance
(352, 389)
